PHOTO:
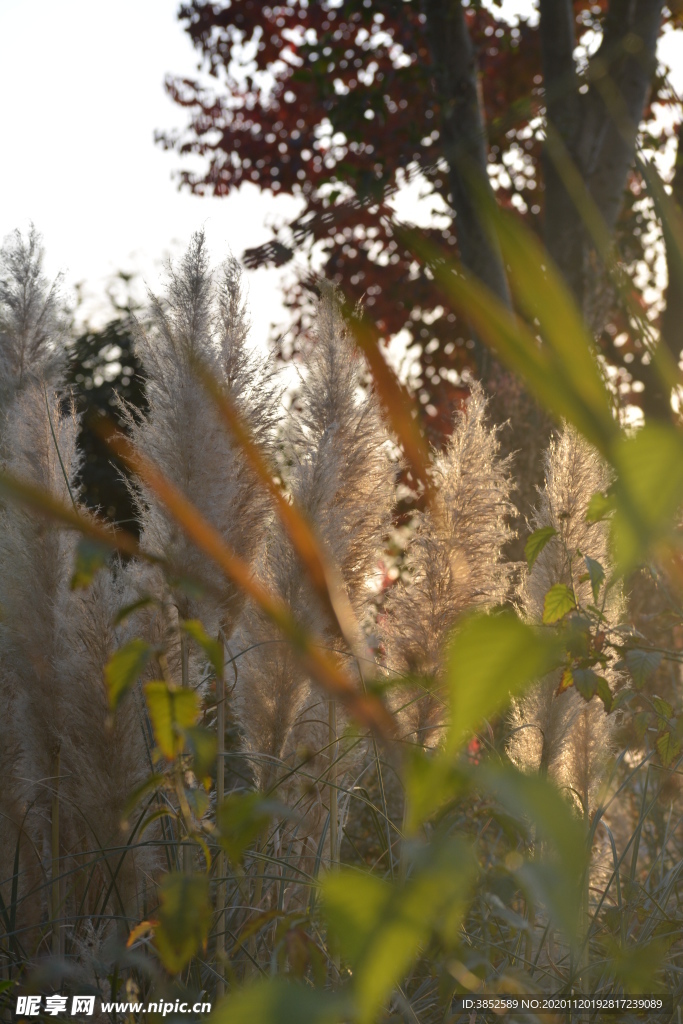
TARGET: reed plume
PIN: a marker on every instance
(203, 317)
(561, 734)
(108, 757)
(455, 561)
(343, 479)
(32, 318)
(35, 566)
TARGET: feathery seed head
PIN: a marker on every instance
(203, 318)
(32, 320)
(343, 479)
(456, 556)
(559, 733)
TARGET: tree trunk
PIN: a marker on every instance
(565, 234)
(464, 144)
(621, 73)
(598, 128)
(656, 401)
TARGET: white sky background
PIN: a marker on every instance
(82, 93)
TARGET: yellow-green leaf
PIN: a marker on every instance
(124, 668)
(536, 542)
(241, 818)
(172, 710)
(212, 648)
(90, 556)
(491, 658)
(202, 745)
(642, 664)
(668, 747)
(378, 927)
(558, 602)
(649, 490)
(596, 575)
(599, 507)
(184, 919)
(277, 1001)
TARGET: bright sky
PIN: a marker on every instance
(82, 93)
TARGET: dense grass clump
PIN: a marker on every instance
(279, 751)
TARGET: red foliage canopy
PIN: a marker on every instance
(335, 102)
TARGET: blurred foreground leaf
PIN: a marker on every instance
(241, 818)
(280, 1002)
(91, 555)
(379, 927)
(553, 878)
(648, 491)
(202, 745)
(184, 919)
(491, 659)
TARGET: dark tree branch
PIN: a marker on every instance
(463, 137)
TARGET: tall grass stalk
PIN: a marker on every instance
(56, 909)
(334, 804)
(221, 867)
(289, 864)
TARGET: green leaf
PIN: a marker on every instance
(663, 708)
(430, 782)
(277, 1001)
(588, 683)
(490, 659)
(585, 682)
(542, 292)
(533, 799)
(202, 745)
(642, 664)
(184, 919)
(536, 542)
(172, 710)
(90, 556)
(668, 747)
(605, 694)
(130, 609)
(599, 507)
(563, 372)
(622, 698)
(379, 927)
(649, 490)
(124, 668)
(558, 602)
(212, 648)
(242, 818)
(596, 574)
